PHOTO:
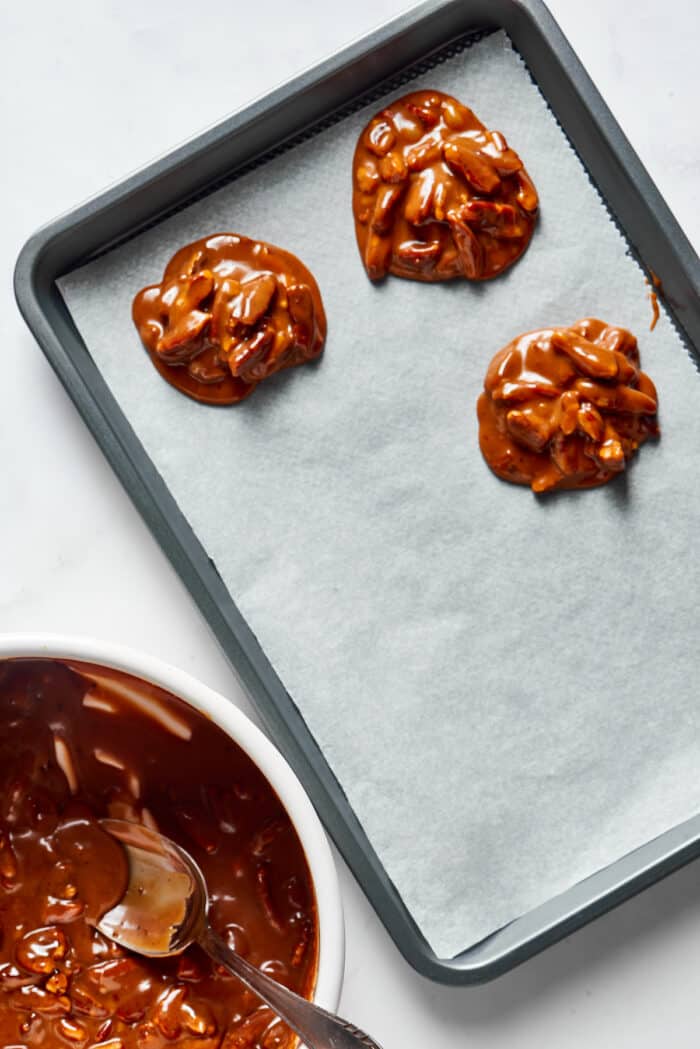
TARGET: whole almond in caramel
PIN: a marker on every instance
(436, 195)
(228, 313)
(566, 407)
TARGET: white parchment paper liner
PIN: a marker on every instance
(505, 686)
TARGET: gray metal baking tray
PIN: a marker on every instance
(307, 103)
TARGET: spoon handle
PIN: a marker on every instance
(317, 1028)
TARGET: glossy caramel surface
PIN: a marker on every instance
(228, 313)
(80, 743)
(566, 407)
(436, 195)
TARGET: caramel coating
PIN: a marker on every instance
(436, 195)
(78, 743)
(228, 313)
(566, 407)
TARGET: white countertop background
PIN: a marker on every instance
(91, 90)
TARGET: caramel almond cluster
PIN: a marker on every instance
(229, 313)
(566, 407)
(436, 195)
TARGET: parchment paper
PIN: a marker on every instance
(505, 686)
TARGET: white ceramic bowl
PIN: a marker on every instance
(331, 957)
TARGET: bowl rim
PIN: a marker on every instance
(260, 749)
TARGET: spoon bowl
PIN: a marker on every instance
(165, 902)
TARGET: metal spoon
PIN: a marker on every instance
(164, 910)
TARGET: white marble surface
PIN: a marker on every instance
(90, 90)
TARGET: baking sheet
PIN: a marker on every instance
(503, 685)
